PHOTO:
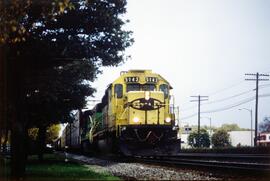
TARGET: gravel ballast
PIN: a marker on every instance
(139, 171)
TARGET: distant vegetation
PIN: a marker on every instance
(221, 138)
(226, 127)
(232, 127)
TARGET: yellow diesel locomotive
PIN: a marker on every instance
(135, 116)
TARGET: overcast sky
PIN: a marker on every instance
(202, 47)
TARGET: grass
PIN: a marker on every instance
(4, 168)
(55, 168)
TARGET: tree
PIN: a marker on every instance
(199, 140)
(50, 71)
(264, 126)
(52, 133)
(221, 138)
(13, 30)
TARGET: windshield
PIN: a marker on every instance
(133, 87)
(148, 87)
(139, 87)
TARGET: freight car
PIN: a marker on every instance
(135, 117)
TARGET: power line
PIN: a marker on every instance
(216, 92)
(231, 106)
(266, 72)
(226, 88)
(264, 85)
(227, 107)
(188, 108)
(236, 104)
(236, 95)
(190, 116)
(219, 100)
(227, 98)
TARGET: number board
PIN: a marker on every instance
(132, 79)
(151, 79)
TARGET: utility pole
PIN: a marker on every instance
(257, 79)
(199, 99)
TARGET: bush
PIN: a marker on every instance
(221, 138)
(199, 140)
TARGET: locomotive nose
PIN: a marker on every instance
(146, 107)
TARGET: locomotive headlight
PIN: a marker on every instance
(168, 119)
(136, 119)
(147, 95)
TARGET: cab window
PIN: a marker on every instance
(133, 87)
(118, 90)
(148, 87)
(165, 89)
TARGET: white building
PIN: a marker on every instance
(242, 138)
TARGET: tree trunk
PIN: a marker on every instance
(17, 119)
(41, 141)
(3, 95)
(18, 161)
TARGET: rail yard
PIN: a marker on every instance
(136, 122)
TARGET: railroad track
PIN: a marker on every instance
(230, 162)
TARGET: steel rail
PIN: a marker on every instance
(224, 155)
(210, 163)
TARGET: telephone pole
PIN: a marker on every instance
(199, 99)
(257, 79)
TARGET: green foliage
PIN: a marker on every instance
(33, 133)
(221, 138)
(12, 30)
(199, 140)
(52, 133)
(264, 126)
